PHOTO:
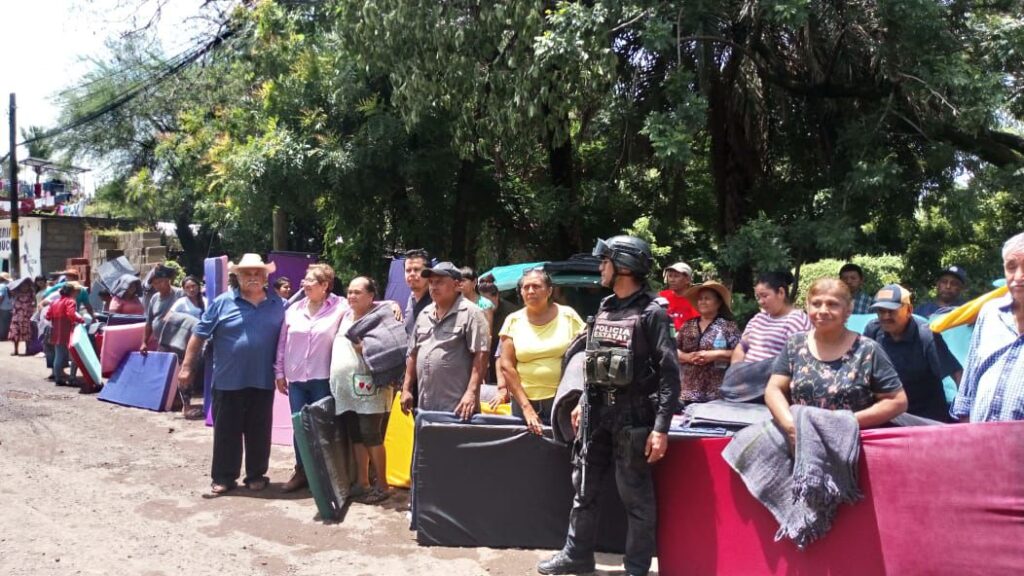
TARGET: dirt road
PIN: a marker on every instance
(87, 487)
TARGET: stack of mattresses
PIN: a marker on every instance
(144, 381)
(459, 467)
(327, 457)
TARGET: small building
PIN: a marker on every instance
(46, 243)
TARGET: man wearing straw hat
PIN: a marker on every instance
(243, 324)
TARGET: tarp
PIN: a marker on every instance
(491, 483)
(118, 342)
(938, 500)
(506, 277)
(149, 381)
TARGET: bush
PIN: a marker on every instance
(878, 271)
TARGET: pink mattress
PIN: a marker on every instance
(282, 431)
(938, 500)
(118, 341)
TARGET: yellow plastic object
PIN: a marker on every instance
(965, 314)
(398, 445)
(501, 410)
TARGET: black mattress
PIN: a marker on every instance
(489, 482)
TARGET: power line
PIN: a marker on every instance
(183, 61)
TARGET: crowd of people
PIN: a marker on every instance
(647, 357)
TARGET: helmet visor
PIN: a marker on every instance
(602, 249)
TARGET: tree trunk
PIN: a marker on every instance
(459, 252)
(563, 178)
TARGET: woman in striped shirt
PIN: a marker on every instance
(767, 332)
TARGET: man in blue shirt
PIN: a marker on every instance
(921, 358)
(243, 325)
(948, 289)
(993, 385)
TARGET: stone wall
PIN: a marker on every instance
(143, 249)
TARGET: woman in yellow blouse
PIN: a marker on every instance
(533, 341)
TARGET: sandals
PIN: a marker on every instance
(220, 489)
(195, 413)
(372, 496)
(257, 484)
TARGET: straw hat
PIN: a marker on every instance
(718, 288)
(252, 261)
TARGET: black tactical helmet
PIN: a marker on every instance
(626, 252)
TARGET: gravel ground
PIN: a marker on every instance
(88, 487)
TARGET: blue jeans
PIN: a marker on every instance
(301, 394)
(61, 355)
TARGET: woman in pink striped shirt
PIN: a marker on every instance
(303, 366)
(767, 332)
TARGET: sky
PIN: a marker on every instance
(52, 41)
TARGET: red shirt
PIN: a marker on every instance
(679, 308)
(63, 314)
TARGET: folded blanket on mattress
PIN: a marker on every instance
(385, 343)
(723, 414)
(746, 381)
(801, 489)
(176, 331)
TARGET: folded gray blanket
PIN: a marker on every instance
(724, 414)
(746, 381)
(801, 489)
(176, 331)
(385, 342)
(570, 388)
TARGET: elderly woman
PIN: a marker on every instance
(706, 343)
(126, 296)
(362, 399)
(23, 300)
(303, 367)
(767, 332)
(533, 341)
(832, 367)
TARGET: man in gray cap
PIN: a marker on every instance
(448, 349)
(164, 295)
(920, 357)
(948, 288)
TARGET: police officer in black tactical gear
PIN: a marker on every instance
(632, 388)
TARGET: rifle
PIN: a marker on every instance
(584, 435)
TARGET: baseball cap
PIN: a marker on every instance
(956, 271)
(681, 267)
(891, 297)
(442, 269)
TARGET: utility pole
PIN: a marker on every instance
(15, 241)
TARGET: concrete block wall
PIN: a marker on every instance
(143, 249)
(61, 239)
